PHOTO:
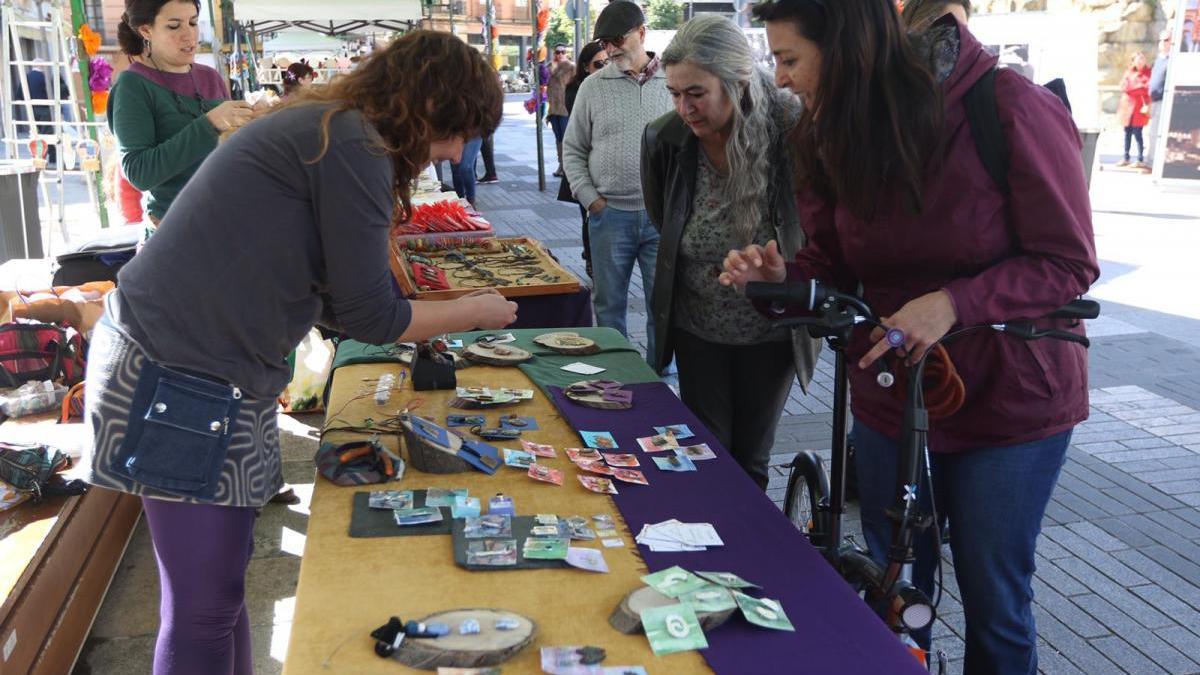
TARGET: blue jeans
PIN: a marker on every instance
(994, 499)
(618, 239)
(463, 173)
(559, 124)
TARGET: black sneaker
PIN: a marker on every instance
(488, 179)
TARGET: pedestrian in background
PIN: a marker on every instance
(1158, 86)
(297, 76)
(591, 59)
(562, 71)
(602, 158)
(1134, 109)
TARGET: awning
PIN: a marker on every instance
(324, 16)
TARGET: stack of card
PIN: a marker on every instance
(672, 535)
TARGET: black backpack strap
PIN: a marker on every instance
(1058, 87)
(984, 118)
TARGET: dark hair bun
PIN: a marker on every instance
(139, 13)
(131, 43)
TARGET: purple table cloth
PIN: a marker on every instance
(835, 630)
(561, 310)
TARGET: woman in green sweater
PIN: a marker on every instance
(166, 110)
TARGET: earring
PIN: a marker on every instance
(146, 46)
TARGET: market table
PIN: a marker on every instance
(349, 586)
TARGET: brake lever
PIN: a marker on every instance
(1027, 331)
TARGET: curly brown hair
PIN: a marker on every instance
(425, 86)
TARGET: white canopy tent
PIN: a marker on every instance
(323, 16)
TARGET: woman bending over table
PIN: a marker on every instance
(286, 224)
(894, 197)
(715, 176)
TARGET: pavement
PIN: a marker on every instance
(1117, 588)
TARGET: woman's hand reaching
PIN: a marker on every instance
(753, 263)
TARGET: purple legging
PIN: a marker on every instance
(203, 552)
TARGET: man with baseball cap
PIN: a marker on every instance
(602, 159)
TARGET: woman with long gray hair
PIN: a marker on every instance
(715, 174)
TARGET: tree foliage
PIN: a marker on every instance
(664, 14)
(561, 29)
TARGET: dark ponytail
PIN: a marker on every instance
(140, 13)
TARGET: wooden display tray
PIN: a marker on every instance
(403, 273)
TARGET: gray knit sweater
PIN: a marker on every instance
(603, 146)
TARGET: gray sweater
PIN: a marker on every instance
(260, 244)
(603, 146)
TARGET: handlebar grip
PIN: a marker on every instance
(1077, 309)
(791, 293)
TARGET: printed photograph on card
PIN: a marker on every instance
(584, 454)
(601, 440)
(615, 459)
(545, 474)
(679, 431)
(598, 484)
(657, 443)
(630, 476)
(596, 467)
(539, 449)
(487, 526)
(674, 462)
(699, 452)
(391, 499)
(492, 552)
(519, 459)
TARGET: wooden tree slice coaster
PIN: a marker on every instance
(595, 399)
(429, 457)
(490, 647)
(568, 343)
(496, 355)
(627, 617)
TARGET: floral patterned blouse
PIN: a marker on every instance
(703, 307)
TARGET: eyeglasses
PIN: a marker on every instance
(597, 65)
(605, 43)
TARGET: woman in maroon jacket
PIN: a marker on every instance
(893, 196)
(1134, 109)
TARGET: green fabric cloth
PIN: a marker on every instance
(621, 361)
(163, 137)
(350, 352)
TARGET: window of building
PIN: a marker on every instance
(95, 16)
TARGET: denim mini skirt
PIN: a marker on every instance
(250, 473)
